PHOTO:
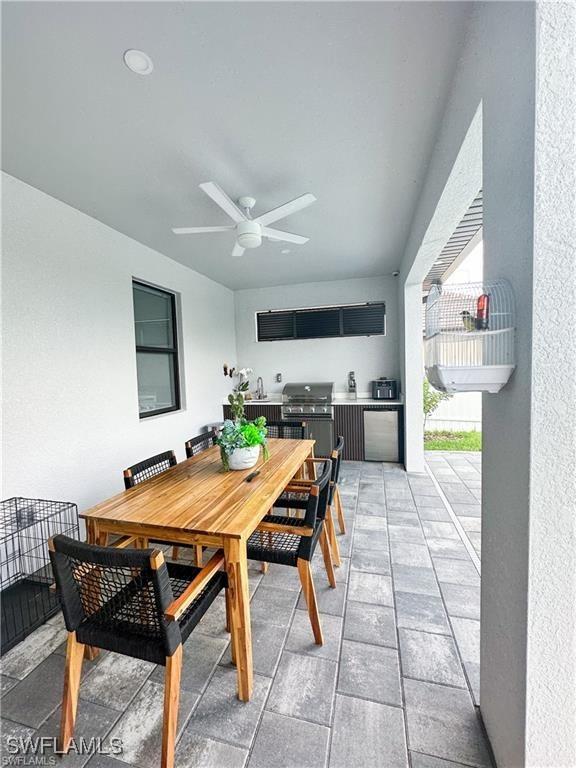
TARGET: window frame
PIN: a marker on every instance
(172, 352)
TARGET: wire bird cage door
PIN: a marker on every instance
(25, 571)
(469, 343)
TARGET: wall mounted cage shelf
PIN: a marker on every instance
(25, 571)
(469, 340)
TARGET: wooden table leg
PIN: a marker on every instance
(237, 571)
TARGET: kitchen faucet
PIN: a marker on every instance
(259, 388)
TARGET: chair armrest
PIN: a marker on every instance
(265, 527)
(180, 605)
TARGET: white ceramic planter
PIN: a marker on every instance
(244, 458)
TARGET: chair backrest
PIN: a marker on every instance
(110, 595)
(336, 457)
(287, 430)
(200, 443)
(151, 467)
(318, 495)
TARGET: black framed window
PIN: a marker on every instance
(322, 322)
(156, 350)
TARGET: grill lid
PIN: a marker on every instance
(303, 392)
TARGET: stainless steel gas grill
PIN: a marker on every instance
(312, 403)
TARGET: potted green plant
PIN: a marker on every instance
(240, 439)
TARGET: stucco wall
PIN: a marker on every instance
(70, 398)
(551, 662)
(528, 552)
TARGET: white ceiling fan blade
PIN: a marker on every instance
(285, 210)
(237, 250)
(288, 237)
(221, 198)
(199, 230)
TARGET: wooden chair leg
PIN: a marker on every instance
(198, 555)
(94, 536)
(228, 627)
(327, 555)
(305, 574)
(175, 553)
(331, 531)
(171, 700)
(264, 565)
(73, 670)
(339, 510)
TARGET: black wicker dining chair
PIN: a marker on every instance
(334, 502)
(148, 468)
(200, 443)
(292, 540)
(152, 467)
(132, 602)
(335, 499)
(286, 430)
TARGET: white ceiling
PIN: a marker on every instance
(268, 99)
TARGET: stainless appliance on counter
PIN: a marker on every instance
(312, 403)
(385, 389)
(381, 435)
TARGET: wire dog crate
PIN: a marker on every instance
(469, 343)
(25, 571)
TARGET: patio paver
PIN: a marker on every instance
(362, 695)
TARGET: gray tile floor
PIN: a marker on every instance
(459, 474)
(394, 684)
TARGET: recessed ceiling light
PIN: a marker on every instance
(285, 250)
(138, 61)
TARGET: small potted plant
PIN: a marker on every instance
(239, 439)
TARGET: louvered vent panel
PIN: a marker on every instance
(364, 321)
(322, 322)
(317, 323)
(274, 326)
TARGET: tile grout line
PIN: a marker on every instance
(397, 630)
(351, 530)
(461, 532)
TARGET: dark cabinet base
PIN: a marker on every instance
(270, 412)
(349, 422)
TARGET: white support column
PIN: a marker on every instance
(413, 376)
(528, 647)
(551, 653)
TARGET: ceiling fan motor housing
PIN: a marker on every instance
(249, 234)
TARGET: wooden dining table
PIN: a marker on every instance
(197, 503)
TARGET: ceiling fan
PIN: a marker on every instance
(249, 231)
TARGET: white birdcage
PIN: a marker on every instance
(469, 343)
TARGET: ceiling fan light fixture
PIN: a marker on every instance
(249, 234)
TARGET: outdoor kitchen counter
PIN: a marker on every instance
(336, 401)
